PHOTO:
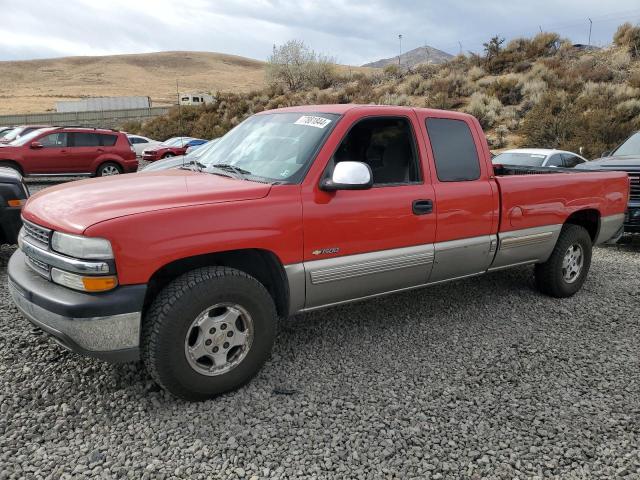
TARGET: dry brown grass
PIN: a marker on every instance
(35, 85)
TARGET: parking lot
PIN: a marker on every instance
(478, 378)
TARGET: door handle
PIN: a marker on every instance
(101, 150)
(422, 207)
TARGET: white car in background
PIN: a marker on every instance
(538, 157)
(139, 143)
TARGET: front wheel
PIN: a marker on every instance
(208, 332)
(563, 274)
(168, 155)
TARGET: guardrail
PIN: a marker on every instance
(102, 118)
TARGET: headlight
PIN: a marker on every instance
(81, 247)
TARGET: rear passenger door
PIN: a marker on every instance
(84, 149)
(466, 198)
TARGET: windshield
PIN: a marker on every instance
(28, 138)
(276, 146)
(521, 159)
(630, 147)
(201, 150)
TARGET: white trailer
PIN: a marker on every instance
(103, 103)
(196, 98)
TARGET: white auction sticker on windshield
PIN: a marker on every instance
(313, 121)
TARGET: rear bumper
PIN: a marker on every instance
(104, 326)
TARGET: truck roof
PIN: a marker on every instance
(343, 108)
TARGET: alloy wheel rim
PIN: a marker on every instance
(219, 339)
(572, 263)
(110, 170)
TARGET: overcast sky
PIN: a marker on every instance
(353, 31)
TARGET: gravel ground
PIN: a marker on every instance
(483, 378)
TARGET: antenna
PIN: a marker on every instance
(590, 26)
(400, 39)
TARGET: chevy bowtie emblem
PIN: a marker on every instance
(326, 251)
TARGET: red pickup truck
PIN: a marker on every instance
(294, 210)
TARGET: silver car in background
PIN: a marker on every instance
(539, 157)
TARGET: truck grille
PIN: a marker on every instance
(634, 180)
(37, 233)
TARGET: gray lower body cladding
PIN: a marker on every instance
(331, 281)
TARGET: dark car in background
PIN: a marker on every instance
(70, 151)
(13, 196)
(170, 148)
(626, 158)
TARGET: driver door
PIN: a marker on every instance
(359, 243)
(51, 157)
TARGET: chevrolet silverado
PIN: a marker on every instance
(293, 210)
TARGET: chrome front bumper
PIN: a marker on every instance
(105, 326)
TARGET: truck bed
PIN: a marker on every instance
(537, 196)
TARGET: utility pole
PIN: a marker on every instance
(460, 43)
(400, 39)
(179, 107)
(590, 25)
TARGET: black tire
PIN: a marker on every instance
(169, 319)
(12, 166)
(108, 167)
(168, 155)
(549, 275)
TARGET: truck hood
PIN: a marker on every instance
(73, 207)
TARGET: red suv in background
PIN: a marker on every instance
(70, 151)
(171, 148)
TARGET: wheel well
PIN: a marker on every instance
(263, 265)
(15, 164)
(589, 219)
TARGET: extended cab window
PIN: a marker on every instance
(387, 145)
(54, 140)
(454, 150)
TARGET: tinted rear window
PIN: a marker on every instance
(109, 140)
(454, 150)
(85, 140)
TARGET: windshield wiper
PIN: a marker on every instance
(227, 166)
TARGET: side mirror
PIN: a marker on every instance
(349, 176)
(36, 145)
(606, 154)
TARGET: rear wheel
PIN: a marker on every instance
(563, 274)
(108, 169)
(208, 332)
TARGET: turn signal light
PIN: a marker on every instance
(17, 203)
(84, 283)
(99, 284)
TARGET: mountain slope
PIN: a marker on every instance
(414, 57)
(35, 85)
